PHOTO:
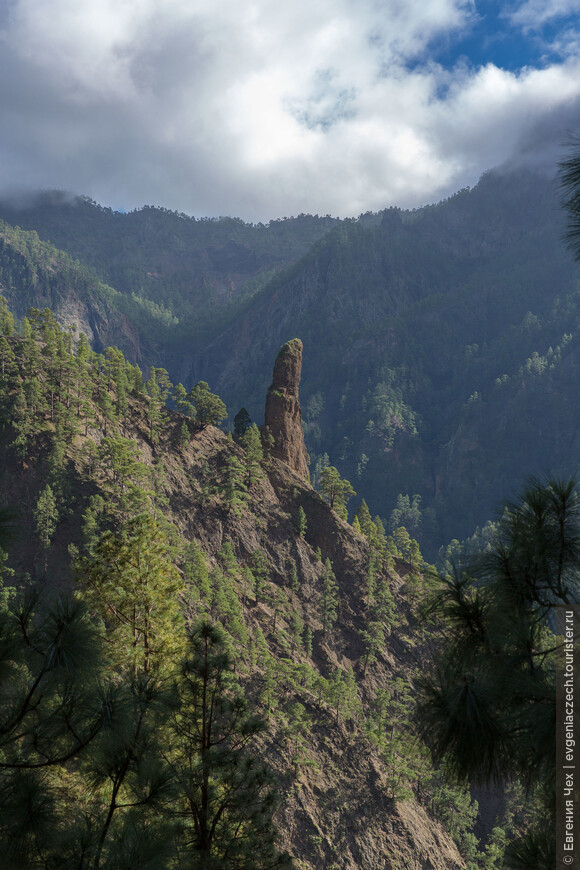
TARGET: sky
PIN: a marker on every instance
(260, 109)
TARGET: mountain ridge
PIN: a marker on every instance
(104, 464)
(427, 333)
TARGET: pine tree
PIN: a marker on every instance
(107, 409)
(121, 823)
(296, 630)
(252, 444)
(373, 638)
(196, 572)
(235, 488)
(227, 800)
(366, 524)
(134, 585)
(184, 436)
(180, 397)
(336, 490)
(488, 708)
(53, 706)
(209, 408)
(8, 372)
(242, 422)
(83, 382)
(294, 581)
(301, 522)
(329, 601)
(6, 318)
(308, 638)
(24, 425)
(260, 573)
(46, 515)
(157, 388)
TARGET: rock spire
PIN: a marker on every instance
(283, 415)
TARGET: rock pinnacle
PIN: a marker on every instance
(283, 415)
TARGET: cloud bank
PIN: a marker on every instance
(260, 110)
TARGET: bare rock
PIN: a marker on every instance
(283, 416)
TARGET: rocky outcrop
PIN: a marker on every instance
(283, 417)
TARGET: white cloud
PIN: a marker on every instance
(258, 109)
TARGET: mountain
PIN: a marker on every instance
(175, 275)
(91, 462)
(440, 344)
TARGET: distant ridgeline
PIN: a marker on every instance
(206, 641)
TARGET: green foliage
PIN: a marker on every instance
(301, 523)
(488, 708)
(342, 693)
(242, 422)
(196, 572)
(296, 630)
(252, 444)
(46, 515)
(373, 638)
(209, 408)
(389, 411)
(158, 388)
(6, 318)
(407, 513)
(373, 530)
(453, 806)
(336, 490)
(294, 580)
(134, 586)
(130, 788)
(308, 637)
(390, 727)
(181, 399)
(50, 662)
(406, 547)
(227, 800)
(53, 706)
(184, 436)
(234, 486)
(156, 776)
(260, 573)
(329, 598)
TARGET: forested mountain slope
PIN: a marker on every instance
(441, 344)
(441, 348)
(159, 519)
(177, 276)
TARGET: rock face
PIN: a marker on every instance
(283, 415)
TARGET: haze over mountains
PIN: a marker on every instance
(440, 345)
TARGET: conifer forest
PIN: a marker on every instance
(316, 636)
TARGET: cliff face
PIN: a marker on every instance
(283, 416)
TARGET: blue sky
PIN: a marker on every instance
(511, 36)
(259, 109)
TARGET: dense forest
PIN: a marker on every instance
(204, 657)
